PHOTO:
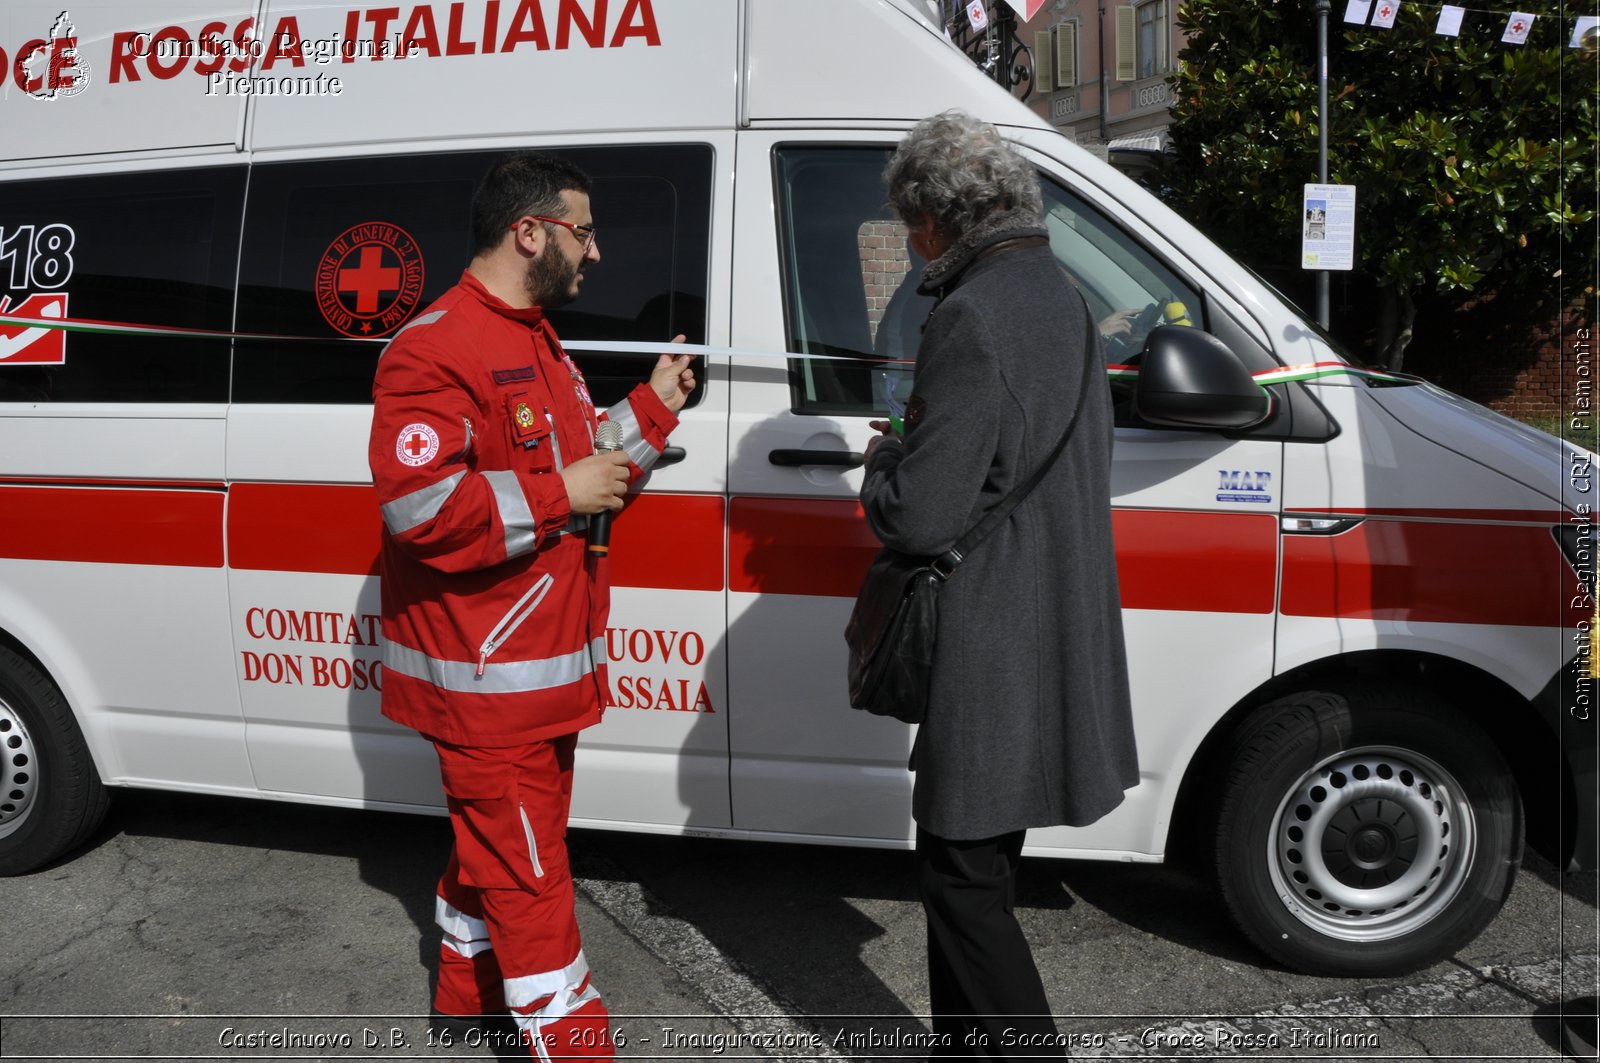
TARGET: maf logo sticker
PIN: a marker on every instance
(1244, 485)
(27, 345)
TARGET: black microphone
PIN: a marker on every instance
(607, 437)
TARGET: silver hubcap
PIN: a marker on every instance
(1372, 844)
(19, 773)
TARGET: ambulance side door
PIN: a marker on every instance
(338, 255)
(814, 238)
(1195, 513)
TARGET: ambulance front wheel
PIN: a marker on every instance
(1366, 831)
(50, 794)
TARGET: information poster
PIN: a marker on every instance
(1328, 227)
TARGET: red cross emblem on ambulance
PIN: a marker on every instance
(369, 280)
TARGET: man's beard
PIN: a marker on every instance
(549, 280)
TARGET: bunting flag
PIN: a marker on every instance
(978, 15)
(1382, 14)
(1026, 9)
(1517, 27)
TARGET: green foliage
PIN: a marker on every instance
(1473, 160)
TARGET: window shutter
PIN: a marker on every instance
(1067, 55)
(1042, 63)
(1127, 44)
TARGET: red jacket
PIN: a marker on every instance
(493, 622)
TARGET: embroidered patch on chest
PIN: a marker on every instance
(512, 376)
(417, 444)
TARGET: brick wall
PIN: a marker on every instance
(884, 264)
(1514, 357)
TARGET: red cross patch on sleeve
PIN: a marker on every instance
(417, 444)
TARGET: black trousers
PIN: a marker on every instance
(988, 1001)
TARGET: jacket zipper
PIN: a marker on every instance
(512, 620)
(555, 440)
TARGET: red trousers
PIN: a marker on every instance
(506, 902)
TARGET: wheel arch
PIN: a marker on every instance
(1519, 731)
(60, 673)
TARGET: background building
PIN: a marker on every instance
(1102, 74)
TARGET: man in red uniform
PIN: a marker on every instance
(482, 452)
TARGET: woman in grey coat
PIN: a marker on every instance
(1029, 722)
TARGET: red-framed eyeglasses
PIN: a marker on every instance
(582, 232)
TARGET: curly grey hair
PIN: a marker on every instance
(957, 170)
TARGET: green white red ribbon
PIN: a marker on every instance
(90, 326)
(1289, 374)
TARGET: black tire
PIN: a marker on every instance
(51, 798)
(1370, 831)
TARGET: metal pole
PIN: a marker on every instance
(1323, 8)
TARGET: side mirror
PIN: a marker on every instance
(1190, 379)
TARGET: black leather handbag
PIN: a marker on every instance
(893, 629)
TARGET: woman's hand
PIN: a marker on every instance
(885, 431)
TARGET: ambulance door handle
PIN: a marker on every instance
(844, 459)
(670, 456)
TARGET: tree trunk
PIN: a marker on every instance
(1397, 311)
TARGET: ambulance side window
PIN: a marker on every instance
(1128, 289)
(652, 206)
(150, 250)
(339, 255)
(849, 280)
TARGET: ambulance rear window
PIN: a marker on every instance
(147, 254)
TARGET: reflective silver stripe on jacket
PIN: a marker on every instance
(515, 514)
(425, 319)
(504, 677)
(640, 452)
(420, 506)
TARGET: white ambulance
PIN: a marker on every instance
(1357, 627)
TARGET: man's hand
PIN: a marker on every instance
(672, 378)
(597, 483)
(1118, 323)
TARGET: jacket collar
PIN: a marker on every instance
(946, 271)
(530, 316)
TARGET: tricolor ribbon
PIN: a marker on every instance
(1297, 373)
(89, 326)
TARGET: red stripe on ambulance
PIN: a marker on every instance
(666, 542)
(112, 525)
(304, 528)
(1196, 562)
(1424, 572)
(669, 542)
(1392, 570)
(1200, 562)
(804, 546)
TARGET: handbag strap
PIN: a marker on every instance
(946, 562)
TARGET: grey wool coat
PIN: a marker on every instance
(1029, 723)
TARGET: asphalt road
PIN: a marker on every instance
(208, 928)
